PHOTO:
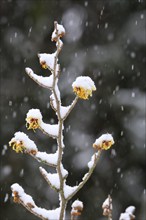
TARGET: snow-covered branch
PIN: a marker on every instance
(19, 196)
(46, 82)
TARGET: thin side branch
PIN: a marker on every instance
(87, 176)
(40, 160)
(71, 107)
(37, 81)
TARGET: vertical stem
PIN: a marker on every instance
(63, 202)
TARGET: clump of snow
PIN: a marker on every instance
(64, 171)
(21, 194)
(68, 190)
(47, 214)
(51, 130)
(85, 82)
(58, 32)
(128, 214)
(64, 110)
(47, 60)
(130, 209)
(34, 113)
(48, 158)
(107, 203)
(91, 162)
(22, 137)
(46, 82)
(28, 201)
(77, 203)
(53, 179)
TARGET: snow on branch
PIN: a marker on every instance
(19, 196)
(34, 121)
(65, 110)
(46, 82)
(52, 179)
(49, 159)
(58, 32)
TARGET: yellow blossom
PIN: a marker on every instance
(83, 87)
(17, 146)
(32, 123)
(82, 92)
(104, 142)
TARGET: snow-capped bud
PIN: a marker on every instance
(83, 87)
(58, 32)
(21, 142)
(77, 208)
(47, 60)
(107, 207)
(104, 142)
(33, 119)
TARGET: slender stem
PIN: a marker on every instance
(87, 176)
(60, 136)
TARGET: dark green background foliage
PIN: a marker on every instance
(105, 40)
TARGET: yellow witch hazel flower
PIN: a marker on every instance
(33, 119)
(17, 145)
(83, 87)
(21, 143)
(104, 142)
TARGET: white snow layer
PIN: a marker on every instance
(85, 82)
(48, 214)
(46, 82)
(107, 203)
(130, 209)
(52, 178)
(28, 143)
(26, 199)
(77, 203)
(68, 190)
(91, 162)
(22, 195)
(64, 110)
(128, 215)
(48, 59)
(51, 130)
(34, 113)
(64, 171)
(61, 31)
(102, 138)
(48, 158)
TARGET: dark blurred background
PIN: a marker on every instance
(105, 40)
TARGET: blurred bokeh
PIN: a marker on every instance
(105, 40)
